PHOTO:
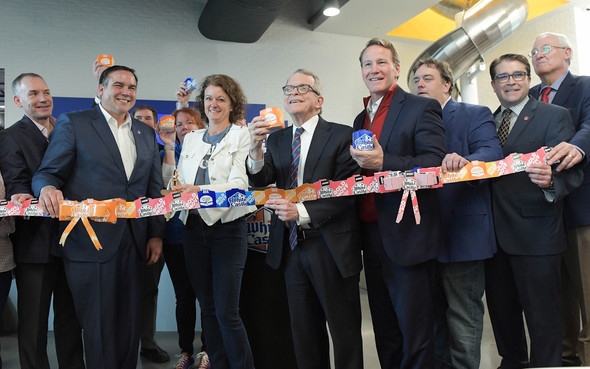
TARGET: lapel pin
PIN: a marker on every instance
(139, 132)
(526, 117)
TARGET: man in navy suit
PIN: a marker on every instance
(467, 220)
(399, 257)
(551, 58)
(322, 268)
(103, 153)
(524, 275)
(39, 274)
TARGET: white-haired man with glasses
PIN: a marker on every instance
(316, 243)
(551, 57)
(524, 275)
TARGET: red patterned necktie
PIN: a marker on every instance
(293, 170)
(545, 94)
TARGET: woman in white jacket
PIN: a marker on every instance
(215, 244)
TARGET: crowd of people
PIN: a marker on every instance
(521, 239)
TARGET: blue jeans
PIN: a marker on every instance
(459, 311)
(215, 258)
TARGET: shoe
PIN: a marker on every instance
(203, 360)
(156, 355)
(185, 361)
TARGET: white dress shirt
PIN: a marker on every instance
(125, 140)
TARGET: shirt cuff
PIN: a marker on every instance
(304, 217)
(549, 194)
(580, 150)
(254, 166)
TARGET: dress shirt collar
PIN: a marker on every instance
(309, 125)
(110, 119)
(516, 109)
(555, 86)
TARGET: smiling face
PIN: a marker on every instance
(429, 83)
(302, 107)
(512, 92)
(118, 96)
(379, 71)
(549, 67)
(184, 124)
(217, 105)
(34, 98)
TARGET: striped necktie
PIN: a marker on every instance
(293, 170)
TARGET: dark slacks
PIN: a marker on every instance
(529, 284)
(401, 303)
(186, 310)
(107, 297)
(317, 293)
(36, 283)
(5, 283)
(220, 253)
(149, 304)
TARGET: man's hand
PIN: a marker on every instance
(181, 94)
(18, 198)
(453, 163)
(540, 174)
(97, 69)
(369, 159)
(567, 153)
(153, 250)
(284, 209)
(49, 199)
(258, 130)
(186, 188)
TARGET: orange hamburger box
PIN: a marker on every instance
(291, 195)
(167, 123)
(274, 116)
(274, 193)
(260, 197)
(306, 192)
(106, 60)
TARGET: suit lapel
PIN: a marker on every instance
(449, 112)
(391, 118)
(143, 149)
(101, 127)
(524, 118)
(565, 90)
(33, 132)
(318, 142)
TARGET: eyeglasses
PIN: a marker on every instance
(545, 49)
(516, 76)
(302, 89)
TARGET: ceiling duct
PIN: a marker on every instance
(484, 26)
(238, 20)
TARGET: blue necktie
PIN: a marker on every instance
(293, 169)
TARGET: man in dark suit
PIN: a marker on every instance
(551, 57)
(103, 153)
(322, 261)
(39, 275)
(467, 221)
(399, 257)
(524, 275)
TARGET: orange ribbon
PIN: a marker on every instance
(98, 211)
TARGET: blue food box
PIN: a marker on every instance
(362, 140)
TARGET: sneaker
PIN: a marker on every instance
(185, 361)
(203, 360)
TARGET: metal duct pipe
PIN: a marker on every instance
(484, 26)
(238, 20)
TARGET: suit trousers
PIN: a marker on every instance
(576, 297)
(529, 284)
(107, 297)
(5, 284)
(317, 293)
(458, 313)
(36, 283)
(149, 304)
(215, 258)
(401, 303)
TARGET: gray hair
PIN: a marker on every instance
(563, 42)
(16, 84)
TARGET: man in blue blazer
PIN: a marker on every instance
(103, 153)
(399, 257)
(39, 274)
(524, 275)
(322, 269)
(551, 57)
(467, 220)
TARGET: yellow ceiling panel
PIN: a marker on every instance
(430, 26)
